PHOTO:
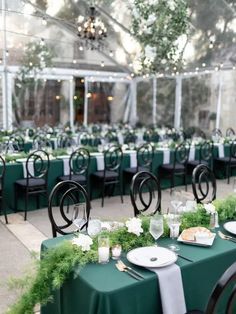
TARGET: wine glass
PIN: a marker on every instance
(173, 221)
(156, 227)
(78, 216)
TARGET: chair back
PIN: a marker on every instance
(206, 151)
(79, 161)
(181, 153)
(227, 280)
(2, 172)
(15, 142)
(145, 156)
(40, 142)
(37, 165)
(216, 132)
(130, 138)
(230, 132)
(65, 141)
(142, 192)
(203, 184)
(68, 201)
(113, 158)
(232, 150)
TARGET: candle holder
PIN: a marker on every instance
(103, 249)
(116, 251)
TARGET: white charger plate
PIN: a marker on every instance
(142, 256)
(230, 227)
(207, 242)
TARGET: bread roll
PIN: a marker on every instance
(189, 234)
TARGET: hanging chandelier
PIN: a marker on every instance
(92, 30)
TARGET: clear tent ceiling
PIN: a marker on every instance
(211, 38)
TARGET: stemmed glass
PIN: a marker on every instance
(173, 221)
(78, 216)
(156, 227)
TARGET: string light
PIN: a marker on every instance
(44, 21)
(102, 64)
(211, 45)
(111, 53)
(81, 48)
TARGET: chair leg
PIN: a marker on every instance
(185, 181)
(15, 200)
(228, 174)
(121, 193)
(172, 184)
(4, 210)
(26, 204)
(103, 192)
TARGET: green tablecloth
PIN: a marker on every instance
(101, 289)
(14, 171)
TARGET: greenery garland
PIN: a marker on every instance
(58, 263)
(157, 25)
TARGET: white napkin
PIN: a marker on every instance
(133, 159)
(30, 167)
(166, 156)
(191, 153)
(171, 289)
(221, 151)
(100, 162)
(120, 138)
(66, 166)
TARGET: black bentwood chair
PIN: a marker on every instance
(230, 132)
(79, 166)
(203, 184)
(205, 156)
(225, 283)
(228, 162)
(2, 178)
(142, 193)
(111, 175)
(178, 167)
(144, 162)
(71, 195)
(35, 183)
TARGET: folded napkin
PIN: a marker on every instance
(66, 166)
(221, 151)
(30, 168)
(191, 153)
(133, 159)
(171, 289)
(166, 156)
(100, 162)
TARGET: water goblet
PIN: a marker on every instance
(173, 221)
(78, 216)
(156, 227)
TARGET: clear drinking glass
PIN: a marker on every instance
(103, 249)
(156, 227)
(173, 221)
(78, 216)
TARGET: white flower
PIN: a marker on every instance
(84, 241)
(171, 4)
(150, 52)
(210, 208)
(151, 19)
(134, 225)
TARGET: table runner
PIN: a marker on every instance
(66, 166)
(30, 168)
(171, 289)
(166, 156)
(133, 159)
(100, 162)
(191, 153)
(221, 150)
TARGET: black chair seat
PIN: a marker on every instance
(109, 175)
(33, 183)
(75, 177)
(170, 167)
(134, 170)
(195, 312)
(226, 159)
(195, 163)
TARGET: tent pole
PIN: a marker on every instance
(178, 101)
(71, 99)
(219, 102)
(154, 102)
(85, 101)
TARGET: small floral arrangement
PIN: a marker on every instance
(134, 226)
(83, 241)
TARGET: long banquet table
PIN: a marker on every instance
(14, 171)
(102, 289)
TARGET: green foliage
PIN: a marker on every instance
(157, 25)
(57, 264)
(226, 208)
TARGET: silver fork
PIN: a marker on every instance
(121, 263)
(226, 237)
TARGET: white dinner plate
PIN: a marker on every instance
(230, 227)
(151, 256)
(21, 159)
